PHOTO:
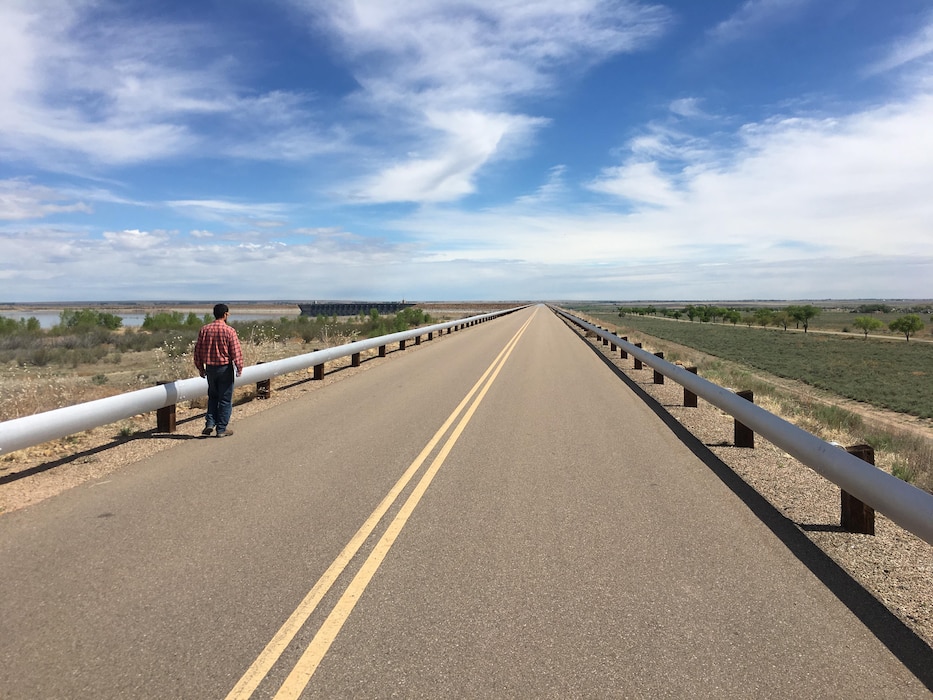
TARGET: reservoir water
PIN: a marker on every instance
(48, 319)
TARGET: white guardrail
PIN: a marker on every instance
(41, 427)
(906, 505)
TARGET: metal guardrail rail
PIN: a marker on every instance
(906, 505)
(41, 427)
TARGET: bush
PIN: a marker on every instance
(88, 318)
(174, 320)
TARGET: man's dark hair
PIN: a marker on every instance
(220, 310)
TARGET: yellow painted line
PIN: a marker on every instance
(301, 674)
(260, 668)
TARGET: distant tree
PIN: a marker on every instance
(690, 311)
(781, 318)
(867, 324)
(908, 325)
(803, 314)
(872, 308)
(78, 319)
(763, 317)
(748, 319)
(733, 316)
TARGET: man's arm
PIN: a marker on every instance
(199, 353)
(237, 353)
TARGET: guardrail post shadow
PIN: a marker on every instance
(658, 377)
(857, 516)
(690, 399)
(637, 361)
(263, 387)
(319, 372)
(165, 417)
(744, 436)
(355, 359)
(622, 352)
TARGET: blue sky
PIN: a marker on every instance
(473, 149)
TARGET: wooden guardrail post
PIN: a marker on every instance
(165, 417)
(857, 516)
(431, 335)
(263, 387)
(637, 361)
(382, 351)
(319, 372)
(690, 399)
(744, 436)
(417, 340)
(622, 352)
(355, 359)
(658, 377)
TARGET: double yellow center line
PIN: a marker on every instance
(301, 674)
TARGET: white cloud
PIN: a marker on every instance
(136, 240)
(688, 107)
(755, 15)
(642, 183)
(20, 199)
(236, 213)
(801, 207)
(454, 76)
(469, 140)
(550, 191)
(83, 84)
(482, 49)
(910, 49)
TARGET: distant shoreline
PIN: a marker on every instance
(142, 307)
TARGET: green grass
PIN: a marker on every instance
(885, 373)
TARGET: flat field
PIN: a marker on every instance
(887, 373)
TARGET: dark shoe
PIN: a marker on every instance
(207, 431)
(224, 433)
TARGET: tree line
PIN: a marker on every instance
(798, 315)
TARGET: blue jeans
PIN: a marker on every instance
(219, 396)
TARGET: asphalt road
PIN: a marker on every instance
(494, 516)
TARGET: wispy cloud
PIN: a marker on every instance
(466, 141)
(81, 84)
(460, 73)
(753, 16)
(233, 213)
(910, 49)
(20, 199)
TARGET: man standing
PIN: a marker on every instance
(218, 356)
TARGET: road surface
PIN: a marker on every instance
(493, 516)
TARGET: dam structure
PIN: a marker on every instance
(350, 308)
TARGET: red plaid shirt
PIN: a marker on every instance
(218, 344)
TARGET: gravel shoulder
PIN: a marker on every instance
(894, 566)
